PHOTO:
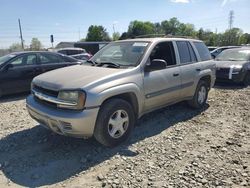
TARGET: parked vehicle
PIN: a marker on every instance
(234, 65)
(77, 53)
(91, 47)
(18, 69)
(217, 51)
(211, 48)
(123, 81)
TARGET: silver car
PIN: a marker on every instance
(126, 79)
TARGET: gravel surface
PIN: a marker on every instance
(172, 147)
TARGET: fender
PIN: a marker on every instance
(96, 100)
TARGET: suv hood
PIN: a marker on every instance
(227, 64)
(73, 77)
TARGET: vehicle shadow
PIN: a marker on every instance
(228, 85)
(36, 157)
(13, 97)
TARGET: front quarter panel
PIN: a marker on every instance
(97, 99)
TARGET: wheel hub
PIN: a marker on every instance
(118, 123)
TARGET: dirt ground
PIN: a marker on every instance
(172, 147)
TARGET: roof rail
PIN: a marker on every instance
(150, 36)
(164, 36)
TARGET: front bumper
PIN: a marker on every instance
(227, 75)
(78, 124)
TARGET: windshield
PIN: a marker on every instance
(5, 58)
(121, 53)
(234, 55)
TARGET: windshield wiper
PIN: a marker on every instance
(231, 59)
(90, 61)
(115, 65)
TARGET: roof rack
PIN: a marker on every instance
(164, 36)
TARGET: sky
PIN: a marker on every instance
(68, 20)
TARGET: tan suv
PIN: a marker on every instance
(126, 79)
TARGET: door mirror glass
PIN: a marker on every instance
(156, 64)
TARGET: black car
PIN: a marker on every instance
(18, 69)
(234, 65)
(217, 51)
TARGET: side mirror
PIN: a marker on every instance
(156, 64)
(7, 67)
(213, 56)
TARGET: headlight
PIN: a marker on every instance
(237, 68)
(72, 99)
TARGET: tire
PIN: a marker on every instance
(246, 80)
(200, 97)
(115, 122)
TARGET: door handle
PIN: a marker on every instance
(176, 74)
(198, 69)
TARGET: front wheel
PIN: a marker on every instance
(115, 122)
(200, 97)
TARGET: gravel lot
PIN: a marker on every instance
(172, 147)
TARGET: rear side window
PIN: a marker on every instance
(203, 51)
(50, 58)
(183, 51)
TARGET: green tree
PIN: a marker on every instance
(116, 36)
(170, 27)
(137, 28)
(35, 44)
(186, 30)
(97, 33)
(15, 47)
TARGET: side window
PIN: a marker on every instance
(192, 54)
(31, 60)
(165, 51)
(18, 61)
(50, 58)
(203, 51)
(183, 51)
(24, 60)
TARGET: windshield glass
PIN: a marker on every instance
(5, 58)
(121, 53)
(234, 55)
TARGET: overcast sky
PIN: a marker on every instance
(69, 20)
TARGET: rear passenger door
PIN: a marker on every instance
(50, 61)
(189, 66)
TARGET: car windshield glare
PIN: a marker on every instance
(5, 58)
(122, 53)
(234, 55)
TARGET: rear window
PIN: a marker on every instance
(203, 51)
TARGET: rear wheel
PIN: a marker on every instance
(200, 97)
(114, 123)
(246, 80)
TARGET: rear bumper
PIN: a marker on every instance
(65, 122)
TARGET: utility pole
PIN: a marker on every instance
(230, 24)
(79, 33)
(231, 19)
(21, 35)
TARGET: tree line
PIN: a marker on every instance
(171, 27)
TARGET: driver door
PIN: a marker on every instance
(162, 86)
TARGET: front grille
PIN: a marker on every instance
(222, 73)
(50, 104)
(46, 91)
(223, 70)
